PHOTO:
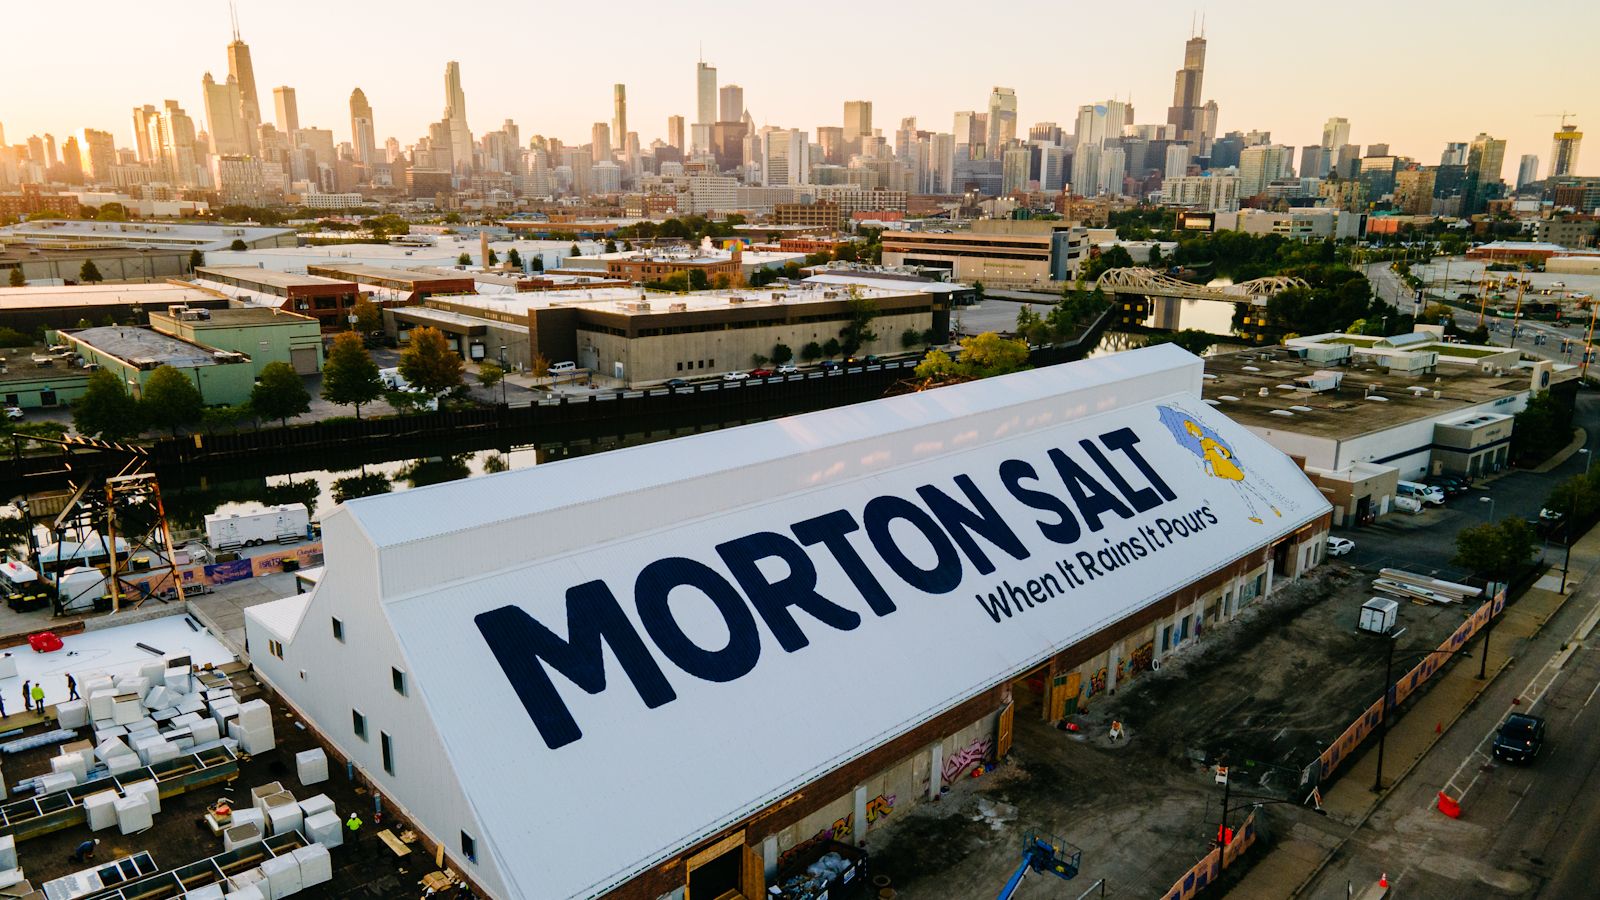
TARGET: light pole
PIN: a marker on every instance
(1572, 512)
(1388, 687)
(502, 374)
(1490, 501)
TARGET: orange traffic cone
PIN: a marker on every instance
(1448, 806)
(1383, 880)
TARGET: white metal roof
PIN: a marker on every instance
(753, 708)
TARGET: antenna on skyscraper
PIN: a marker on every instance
(1202, 24)
(233, 13)
(1192, 16)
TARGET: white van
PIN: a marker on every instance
(1427, 493)
(563, 368)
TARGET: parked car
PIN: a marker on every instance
(1338, 546)
(760, 373)
(831, 365)
(676, 383)
(14, 412)
(1519, 739)
(1546, 514)
(1452, 485)
(788, 368)
(736, 376)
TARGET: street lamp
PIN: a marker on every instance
(1388, 688)
(1490, 501)
(502, 374)
(1572, 513)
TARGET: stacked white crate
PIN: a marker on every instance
(101, 703)
(283, 814)
(316, 866)
(101, 810)
(133, 814)
(311, 766)
(70, 763)
(283, 874)
(127, 708)
(254, 732)
(209, 892)
(148, 790)
(238, 835)
(325, 828)
(72, 713)
(249, 885)
(318, 804)
(260, 793)
(49, 784)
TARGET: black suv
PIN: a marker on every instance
(1519, 739)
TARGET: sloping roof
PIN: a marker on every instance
(746, 703)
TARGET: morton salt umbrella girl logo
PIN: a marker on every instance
(1218, 458)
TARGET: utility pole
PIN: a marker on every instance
(1383, 720)
(1594, 307)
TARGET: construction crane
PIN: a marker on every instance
(1563, 116)
(1042, 854)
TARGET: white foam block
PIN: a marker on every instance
(72, 713)
(311, 766)
(58, 781)
(222, 710)
(204, 730)
(248, 892)
(159, 698)
(209, 892)
(238, 835)
(111, 747)
(155, 671)
(249, 885)
(133, 814)
(71, 764)
(122, 765)
(256, 740)
(284, 819)
(178, 678)
(163, 752)
(149, 790)
(100, 704)
(8, 852)
(316, 865)
(127, 709)
(101, 809)
(283, 873)
(255, 714)
(321, 803)
(325, 828)
(133, 684)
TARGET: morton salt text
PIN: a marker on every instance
(769, 579)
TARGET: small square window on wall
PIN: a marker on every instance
(338, 630)
(469, 847)
(358, 723)
(275, 648)
(399, 679)
(387, 744)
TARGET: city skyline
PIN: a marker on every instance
(1049, 87)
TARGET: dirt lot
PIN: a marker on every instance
(1265, 692)
(365, 869)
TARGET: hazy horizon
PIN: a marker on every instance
(1284, 69)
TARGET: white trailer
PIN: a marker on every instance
(275, 524)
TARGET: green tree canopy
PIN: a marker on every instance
(1542, 428)
(238, 245)
(112, 212)
(17, 279)
(490, 374)
(107, 409)
(279, 393)
(858, 331)
(349, 376)
(981, 356)
(698, 280)
(832, 347)
(196, 259)
(811, 352)
(171, 400)
(514, 258)
(89, 273)
(1190, 339)
(429, 364)
(465, 259)
(782, 353)
(1495, 549)
(369, 317)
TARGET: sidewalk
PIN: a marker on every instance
(1300, 855)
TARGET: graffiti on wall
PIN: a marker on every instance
(1097, 681)
(879, 807)
(1143, 655)
(962, 760)
(840, 830)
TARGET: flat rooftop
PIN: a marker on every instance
(129, 344)
(151, 296)
(150, 234)
(238, 316)
(1234, 381)
(625, 300)
(359, 272)
(269, 277)
(453, 319)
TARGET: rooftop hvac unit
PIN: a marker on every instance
(735, 300)
(677, 307)
(1263, 393)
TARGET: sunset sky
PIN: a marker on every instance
(1415, 73)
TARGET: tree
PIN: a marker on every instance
(1542, 428)
(1495, 549)
(910, 338)
(490, 374)
(428, 363)
(196, 259)
(237, 245)
(811, 352)
(1190, 339)
(17, 279)
(514, 258)
(831, 348)
(89, 273)
(782, 353)
(857, 332)
(698, 280)
(1577, 498)
(171, 400)
(106, 409)
(112, 212)
(465, 259)
(1026, 319)
(611, 245)
(279, 393)
(538, 263)
(574, 251)
(1115, 258)
(981, 357)
(349, 376)
(369, 317)
(494, 258)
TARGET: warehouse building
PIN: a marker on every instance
(134, 354)
(329, 301)
(645, 338)
(396, 287)
(265, 335)
(29, 309)
(996, 252)
(599, 676)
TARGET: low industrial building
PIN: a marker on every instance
(265, 335)
(330, 301)
(639, 634)
(475, 337)
(397, 287)
(645, 338)
(1361, 426)
(36, 307)
(999, 253)
(55, 250)
(134, 354)
(30, 379)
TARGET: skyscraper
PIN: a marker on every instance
(600, 142)
(732, 103)
(1187, 109)
(455, 116)
(619, 117)
(1527, 170)
(363, 136)
(243, 73)
(224, 116)
(1486, 158)
(1564, 151)
(1002, 120)
(675, 131)
(785, 157)
(99, 154)
(1259, 165)
(1177, 162)
(1336, 133)
(288, 111)
(971, 130)
(857, 123)
(705, 85)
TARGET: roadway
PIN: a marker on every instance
(1525, 832)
